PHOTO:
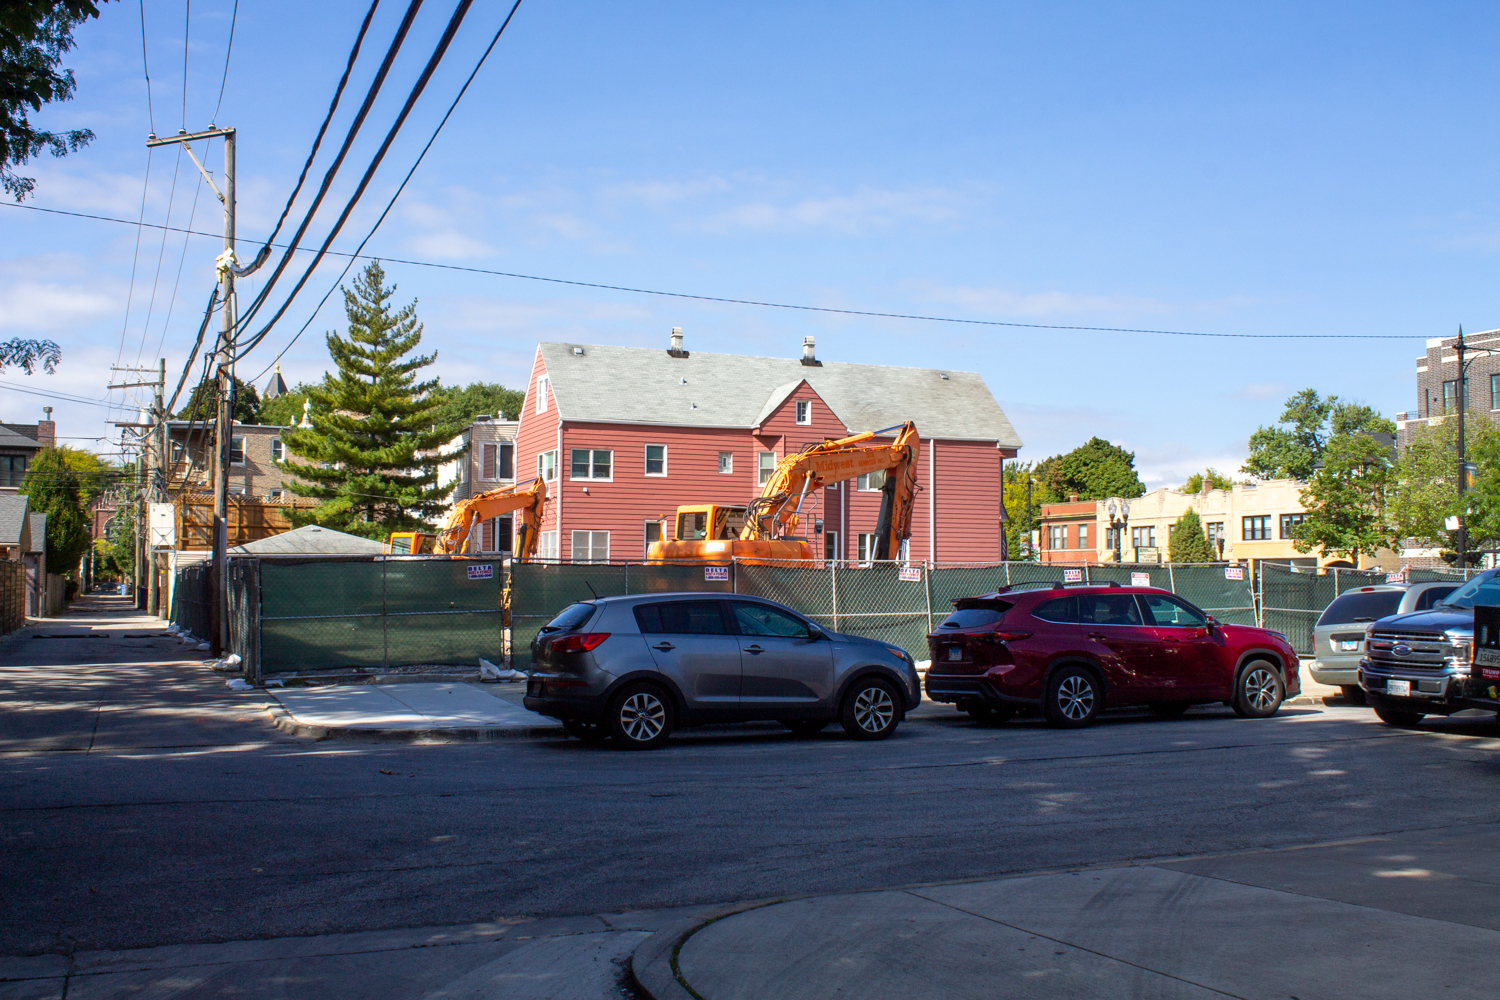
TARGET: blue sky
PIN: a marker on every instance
(1250, 169)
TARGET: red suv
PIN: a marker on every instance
(1074, 651)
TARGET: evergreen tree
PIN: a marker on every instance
(1186, 542)
(371, 455)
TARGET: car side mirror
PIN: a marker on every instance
(814, 633)
(1213, 622)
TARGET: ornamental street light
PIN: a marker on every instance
(1119, 515)
(1463, 463)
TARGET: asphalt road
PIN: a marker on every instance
(142, 803)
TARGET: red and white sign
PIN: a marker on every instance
(716, 574)
(1140, 579)
(1072, 576)
(1396, 577)
(484, 572)
(1234, 572)
(910, 574)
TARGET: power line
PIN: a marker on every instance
(187, 23)
(160, 256)
(140, 226)
(146, 69)
(234, 17)
(176, 284)
(801, 308)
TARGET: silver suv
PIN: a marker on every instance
(1339, 635)
(631, 669)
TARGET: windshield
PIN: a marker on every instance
(1480, 590)
(572, 616)
(1361, 606)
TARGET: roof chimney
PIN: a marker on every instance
(676, 350)
(809, 357)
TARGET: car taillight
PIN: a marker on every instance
(1008, 636)
(582, 643)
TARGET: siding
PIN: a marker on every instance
(968, 501)
(536, 433)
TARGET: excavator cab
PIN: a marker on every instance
(410, 543)
(709, 522)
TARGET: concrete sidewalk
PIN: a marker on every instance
(406, 711)
(1398, 917)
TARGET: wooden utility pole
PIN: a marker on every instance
(224, 376)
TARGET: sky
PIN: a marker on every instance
(1235, 169)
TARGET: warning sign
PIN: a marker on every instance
(484, 572)
(1072, 576)
(1140, 579)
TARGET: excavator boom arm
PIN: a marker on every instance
(525, 501)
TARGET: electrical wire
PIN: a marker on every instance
(160, 256)
(208, 313)
(146, 69)
(784, 305)
(390, 204)
(181, 261)
(187, 23)
(234, 17)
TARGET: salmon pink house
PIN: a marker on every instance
(624, 435)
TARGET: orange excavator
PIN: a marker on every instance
(525, 501)
(765, 530)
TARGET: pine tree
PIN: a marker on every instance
(371, 455)
(1187, 543)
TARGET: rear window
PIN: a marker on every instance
(681, 618)
(572, 617)
(972, 617)
(1358, 607)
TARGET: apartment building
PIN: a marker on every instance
(487, 462)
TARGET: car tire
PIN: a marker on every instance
(872, 709)
(1353, 694)
(641, 717)
(1399, 718)
(1074, 697)
(1169, 709)
(1258, 692)
(589, 732)
(805, 727)
(990, 715)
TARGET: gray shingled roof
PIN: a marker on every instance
(309, 539)
(15, 439)
(12, 517)
(38, 541)
(642, 385)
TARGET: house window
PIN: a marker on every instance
(831, 545)
(546, 465)
(179, 451)
(590, 546)
(1256, 529)
(1289, 524)
(592, 464)
(236, 451)
(507, 462)
(546, 545)
(1450, 395)
(1057, 536)
(236, 491)
(277, 494)
(866, 548)
(726, 462)
(653, 534)
(1143, 537)
(1083, 536)
(1111, 538)
(1215, 532)
(767, 466)
(903, 551)
(871, 483)
(1495, 392)
(487, 461)
(543, 383)
(12, 469)
(278, 450)
(504, 527)
(656, 460)
(804, 411)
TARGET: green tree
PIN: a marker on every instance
(1095, 470)
(1293, 447)
(61, 483)
(34, 36)
(1216, 481)
(1348, 498)
(117, 552)
(1426, 484)
(203, 404)
(371, 454)
(285, 410)
(461, 406)
(1013, 495)
(1187, 542)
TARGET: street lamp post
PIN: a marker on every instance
(1031, 553)
(1463, 463)
(1119, 515)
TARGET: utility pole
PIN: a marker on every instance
(1463, 470)
(223, 423)
(153, 458)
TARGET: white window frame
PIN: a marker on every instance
(278, 450)
(1083, 536)
(831, 552)
(543, 384)
(862, 484)
(726, 468)
(593, 539)
(1056, 532)
(655, 475)
(591, 478)
(546, 545)
(865, 548)
(762, 474)
(646, 528)
(804, 411)
(489, 462)
(903, 551)
(240, 439)
(543, 459)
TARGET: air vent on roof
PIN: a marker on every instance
(943, 376)
(578, 351)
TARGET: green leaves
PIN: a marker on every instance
(1348, 499)
(1293, 449)
(61, 483)
(1216, 481)
(1187, 542)
(1095, 470)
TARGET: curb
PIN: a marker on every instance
(653, 964)
(288, 723)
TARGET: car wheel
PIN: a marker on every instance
(1353, 694)
(1397, 717)
(871, 711)
(1259, 691)
(640, 717)
(1169, 709)
(589, 732)
(990, 715)
(805, 727)
(1074, 697)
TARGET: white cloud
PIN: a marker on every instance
(1262, 390)
(448, 245)
(850, 214)
(52, 293)
(661, 193)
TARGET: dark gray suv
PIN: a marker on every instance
(632, 669)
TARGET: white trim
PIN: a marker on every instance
(543, 384)
(591, 478)
(798, 412)
(723, 471)
(646, 455)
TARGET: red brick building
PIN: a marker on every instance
(625, 435)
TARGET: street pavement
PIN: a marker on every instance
(151, 816)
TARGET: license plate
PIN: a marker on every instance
(1399, 689)
(1349, 645)
(954, 653)
(1487, 657)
